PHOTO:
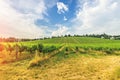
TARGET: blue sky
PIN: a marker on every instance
(45, 18)
(55, 18)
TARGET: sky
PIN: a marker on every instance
(46, 18)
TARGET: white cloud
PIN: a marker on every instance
(98, 16)
(50, 3)
(65, 19)
(62, 30)
(61, 7)
(17, 24)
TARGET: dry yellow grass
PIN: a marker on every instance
(76, 68)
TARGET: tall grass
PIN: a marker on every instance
(116, 74)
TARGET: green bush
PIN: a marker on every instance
(109, 51)
(66, 49)
(40, 47)
(32, 49)
(76, 48)
(49, 49)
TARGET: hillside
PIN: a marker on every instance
(77, 41)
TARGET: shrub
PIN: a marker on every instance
(86, 48)
(40, 47)
(66, 49)
(49, 49)
(52, 48)
(76, 48)
(109, 51)
(32, 49)
(99, 48)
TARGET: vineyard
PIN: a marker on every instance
(72, 58)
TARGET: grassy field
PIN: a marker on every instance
(65, 58)
(78, 41)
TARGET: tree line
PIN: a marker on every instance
(104, 35)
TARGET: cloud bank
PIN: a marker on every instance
(18, 24)
(99, 16)
(62, 30)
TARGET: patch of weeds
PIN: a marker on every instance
(35, 60)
